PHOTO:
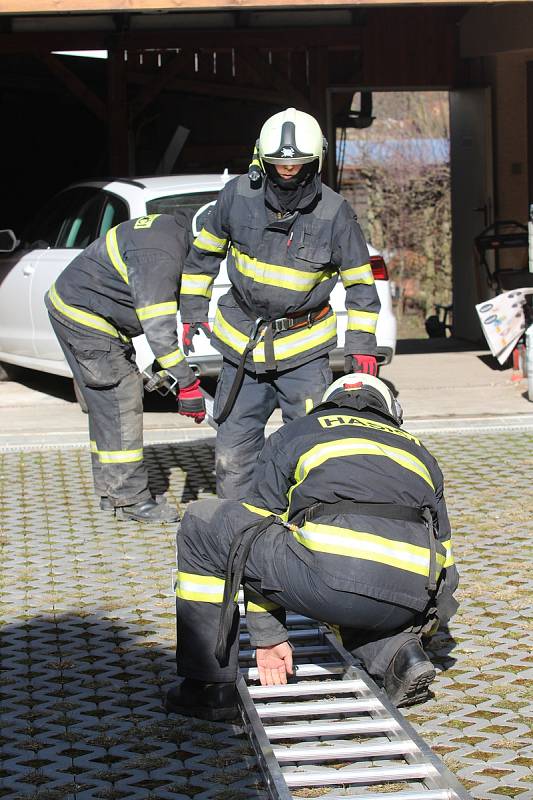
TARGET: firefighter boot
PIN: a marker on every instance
(211, 701)
(150, 510)
(409, 675)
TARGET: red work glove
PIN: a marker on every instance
(190, 329)
(191, 402)
(366, 364)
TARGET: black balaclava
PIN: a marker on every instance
(286, 195)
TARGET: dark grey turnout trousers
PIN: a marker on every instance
(104, 369)
(274, 579)
(240, 438)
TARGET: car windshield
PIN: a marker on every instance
(189, 203)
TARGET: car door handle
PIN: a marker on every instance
(28, 270)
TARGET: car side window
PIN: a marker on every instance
(81, 226)
(48, 227)
(115, 211)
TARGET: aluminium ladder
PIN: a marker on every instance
(332, 728)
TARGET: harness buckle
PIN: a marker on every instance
(282, 324)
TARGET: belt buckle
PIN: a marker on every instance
(282, 324)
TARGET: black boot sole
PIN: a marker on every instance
(121, 515)
(204, 712)
(415, 687)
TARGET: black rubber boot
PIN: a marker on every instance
(212, 701)
(149, 511)
(409, 675)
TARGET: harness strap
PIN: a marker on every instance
(270, 328)
(386, 510)
(238, 554)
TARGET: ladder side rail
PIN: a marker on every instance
(425, 754)
(275, 783)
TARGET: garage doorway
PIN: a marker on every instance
(395, 171)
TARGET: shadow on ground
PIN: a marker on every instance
(82, 715)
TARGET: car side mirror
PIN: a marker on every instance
(8, 241)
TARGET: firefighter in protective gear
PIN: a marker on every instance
(347, 524)
(287, 238)
(122, 285)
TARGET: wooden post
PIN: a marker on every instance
(117, 98)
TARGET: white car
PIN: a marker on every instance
(85, 211)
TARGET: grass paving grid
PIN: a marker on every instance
(88, 634)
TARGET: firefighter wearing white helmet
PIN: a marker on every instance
(286, 238)
(346, 523)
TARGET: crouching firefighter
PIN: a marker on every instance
(122, 285)
(347, 524)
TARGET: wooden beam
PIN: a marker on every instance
(69, 6)
(75, 85)
(268, 38)
(118, 134)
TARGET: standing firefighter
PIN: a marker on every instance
(124, 284)
(347, 524)
(287, 238)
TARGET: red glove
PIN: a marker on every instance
(191, 402)
(190, 329)
(366, 364)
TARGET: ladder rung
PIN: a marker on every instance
(303, 670)
(318, 709)
(430, 794)
(296, 635)
(327, 728)
(307, 689)
(298, 652)
(326, 752)
(329, 777)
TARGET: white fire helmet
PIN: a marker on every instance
(291, 137)
(377, 389)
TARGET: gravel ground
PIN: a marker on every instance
(87, 636)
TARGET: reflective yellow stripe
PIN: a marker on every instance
(119, 456)
(197, 284)
(261, 607)
(157, 310)
(355, 275)
(285, 347)
(308, 404)
(366, 546)
(114, 254)
(263, 512)
(334, 420)
(208, 241)
(450, 561)
(171, 359)
(93, 446)
(281, 277)
(341, 448)
(82, 317)
(200, 588)
(362, 321)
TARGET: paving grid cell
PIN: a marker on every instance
(87, 636)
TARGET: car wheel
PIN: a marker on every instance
(5, 372)
(80, 398)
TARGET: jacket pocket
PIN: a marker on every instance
(102, 363)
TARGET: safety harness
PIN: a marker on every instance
(265, 329)
(242, 544)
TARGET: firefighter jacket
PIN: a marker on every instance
(341, 454)
(282, 269)
(126, 283)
